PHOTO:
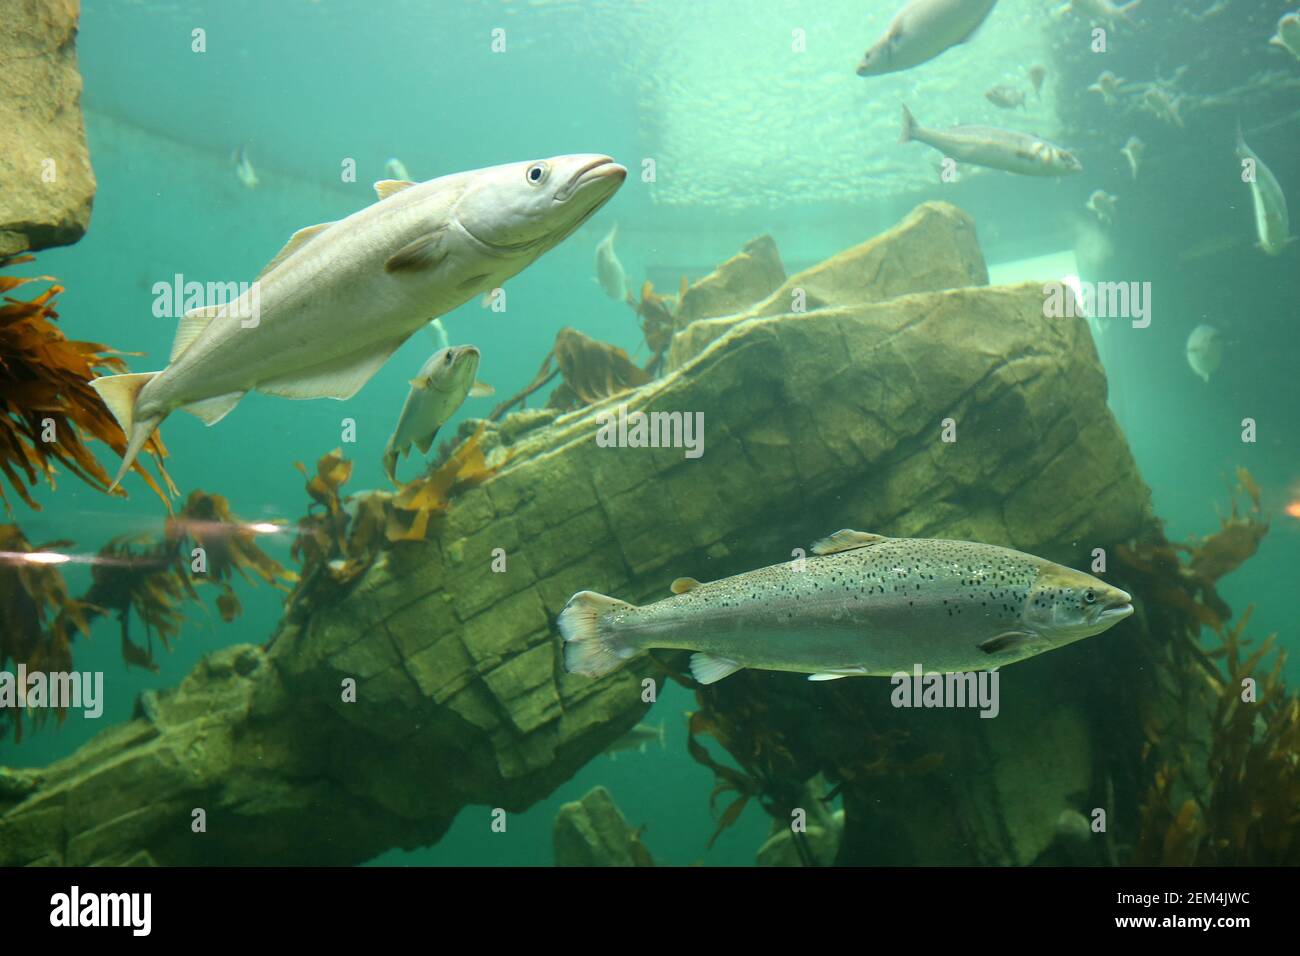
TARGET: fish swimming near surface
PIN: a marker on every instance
(340, 297)
(1101, 11)
(1006, 97)
(994, 148)
(638, 738)
(1108, 85)
(1163, 106)
(861, 604)
(1272, 222)
(244, 171)
(1133, 150)
(609, 271)
(922, 30)
(1102, 205)
(1288, 34)
(444, 382)
(1205, 351)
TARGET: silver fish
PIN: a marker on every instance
(1205, 351)
(1101, 11)
(922, 30)
(244, 171)
(444, 382)
(1108, 85)
(609, 271)
(863, 604)
(1133, 150)
(638, 738)
(327, 312)
(1272, 222)
(1288, 34)
(1102, 205)
(1006, 97)
(994, 148)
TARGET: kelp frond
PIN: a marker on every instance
(48, 411)
(420, 500)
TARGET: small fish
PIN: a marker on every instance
(1272, 222)
(637, 739)
(1133, 151)
(1205, 351)
(440, 388)
(1037, 73)
(1006, 97)
(861, 605)
(1162, 106)
(1107, 85)
(244, 171)
(922, 30)
(994, 148)
(396, 169)
(1102, 205)
(609, 271)
(1101, 11)
(1288, 34)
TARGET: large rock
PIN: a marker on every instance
(933, 248)
(593, 832)
(815, 421)
(46, 183)
(750, 275)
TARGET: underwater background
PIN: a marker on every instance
(748, 137)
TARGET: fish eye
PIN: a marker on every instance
(447, 359)
(537, 173)
(1089, 596)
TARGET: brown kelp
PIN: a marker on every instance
(48, 411)
(590, 371)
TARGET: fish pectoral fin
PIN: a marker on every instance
(212, 410)
(296, 242)
(836, 675)
(1004, 642)
(682, 585)
(340, 378)
(707, 669)
(846, 539)
(481, 390)
(388, 187)
(418, 255)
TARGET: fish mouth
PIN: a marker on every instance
(599, 168)
(1116, 609)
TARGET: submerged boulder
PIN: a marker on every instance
(593, 832)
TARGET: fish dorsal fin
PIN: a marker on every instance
(296, 242)
(418, 255)
(707, 669)
(1004, 642)
(390, 187)
(339, 378)
(682, 585)
(191, 325)
(846, 540)
(212, 410)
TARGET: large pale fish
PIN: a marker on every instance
(993, 147)
(922, 30)
(861, 605)
(1205, 351)
(440, 388)
(1272, 223)
(609, 271)
(341, 296)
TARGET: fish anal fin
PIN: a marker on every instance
(296, 242)
(425, 443)
(836, 675)
(707, 669)
(340, 378)
(388, 187)
(846, 540)
(212, 410)
(682, 585)
(418, 255)
(1004, 642)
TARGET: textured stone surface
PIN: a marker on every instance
(46, 183)
(815, 421)
(934, 248)
(593, 832)
(752, 274)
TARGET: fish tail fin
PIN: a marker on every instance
(591, 648)
(909, 126)
(119, 393)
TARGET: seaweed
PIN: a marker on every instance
(657, 315)
(48, 411)
(590, 371)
